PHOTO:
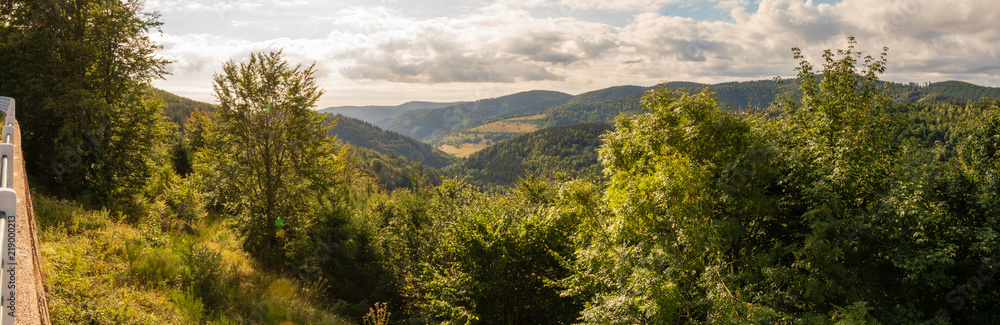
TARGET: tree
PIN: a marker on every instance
(814, 212)
(274, 153)
(79, 70)
(686, 194)
(708, 213)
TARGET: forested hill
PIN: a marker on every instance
(425, 124)
(964, 90)
(571, 150)
(472, 130)
(359, 133)
(393, 172)
(602, 106)
(375, 114)
(177, 108)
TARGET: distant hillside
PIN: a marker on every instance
(359, 133)
(375, 114)
(178, 108)
(568, 149)
(594, 112)
(392, 171)
(478, 134)
(428, 124)
(945, 122)
(741, 95)
(964, 90)
(590, 97)
(602, 106)
(607, 94)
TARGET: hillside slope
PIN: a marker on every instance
(362, 134)
(964, 90)
(571, 150)
(427, 124)
(375, 114)
(177, 108)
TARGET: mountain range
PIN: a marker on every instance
(544, 131)
(375, 114)
(362, 134)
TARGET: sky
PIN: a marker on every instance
(386, 52)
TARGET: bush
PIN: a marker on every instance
(157, 266)
(189, 304)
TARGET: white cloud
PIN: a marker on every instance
(731, 4)
(362, 47)
(496, 44)
(617, 5)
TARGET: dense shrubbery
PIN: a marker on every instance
(819, 213)
(102, 271)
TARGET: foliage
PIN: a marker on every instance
(107, 272)
(468, 257)
(379, 315)
(943, 123)
(273, 153)
(90, 130)
(428, 124)
(603, 105)
(964, 90)
(177, 108)
(363, 134)
(569, 150)
(683, 179)
(816, 212)
(394, 172)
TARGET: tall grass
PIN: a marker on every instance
(105, 271)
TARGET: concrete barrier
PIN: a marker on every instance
(8, 215)
(8, 212)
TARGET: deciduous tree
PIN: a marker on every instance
(78, 70)
(274, 152)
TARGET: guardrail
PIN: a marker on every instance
(8, 213)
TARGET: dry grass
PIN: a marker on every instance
(103, 271)
(464, 150)
(528, 118)
(506, 126)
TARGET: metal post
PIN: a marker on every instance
(3, 172)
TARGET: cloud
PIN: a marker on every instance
(937, 38)
(618, 5)
(561, 43)
(496, 44)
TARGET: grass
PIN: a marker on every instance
(507, 126)
(102, 270)
(528, 118)
(466, 142)
(464, 150)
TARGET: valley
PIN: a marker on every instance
(464, 131)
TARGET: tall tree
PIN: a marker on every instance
(78, 70)
(274, 150)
